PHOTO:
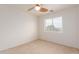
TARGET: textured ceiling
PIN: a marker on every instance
(54, 7)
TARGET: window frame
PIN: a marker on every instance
(61, 31)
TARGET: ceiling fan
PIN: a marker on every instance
(39, 8)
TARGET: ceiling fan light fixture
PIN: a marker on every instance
(37, 8)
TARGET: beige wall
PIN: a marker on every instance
(69, 36)
(16, 27)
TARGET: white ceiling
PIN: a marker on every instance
(55, 7)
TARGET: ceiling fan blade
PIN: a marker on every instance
(43, 10)
(31, 8)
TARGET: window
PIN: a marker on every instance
(54, 24)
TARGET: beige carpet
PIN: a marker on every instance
(42, 47)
